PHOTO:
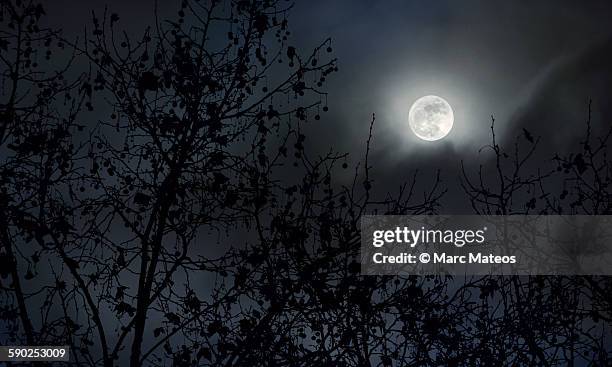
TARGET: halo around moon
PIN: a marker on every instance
(431, 118)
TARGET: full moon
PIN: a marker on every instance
(431, 118)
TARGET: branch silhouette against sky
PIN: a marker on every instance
(168, 196)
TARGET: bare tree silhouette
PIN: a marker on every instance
(37, 119)
(554, 317)
(159, 206)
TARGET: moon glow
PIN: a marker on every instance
(431, 118)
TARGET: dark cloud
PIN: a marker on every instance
(557, 108)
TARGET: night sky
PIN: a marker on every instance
(535, 68)
(533, 65)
